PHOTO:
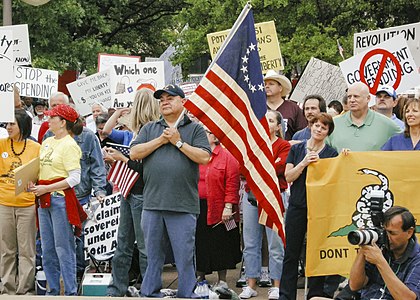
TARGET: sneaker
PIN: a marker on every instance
(265, 280)
(248, 292)
(168, 293)
(220, 284)
(273, 293)
(242, 280)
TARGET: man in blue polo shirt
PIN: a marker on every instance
(171, 152)
(393, 273)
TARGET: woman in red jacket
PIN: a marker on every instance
(217, 248)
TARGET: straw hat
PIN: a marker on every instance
(281, 79)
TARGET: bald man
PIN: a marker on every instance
(361, 129)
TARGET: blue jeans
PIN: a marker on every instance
(58, 247)
(179, 229)
(129, 231)
(252, 235)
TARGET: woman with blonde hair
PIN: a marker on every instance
(145, 109)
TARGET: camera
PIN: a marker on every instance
(376, 233)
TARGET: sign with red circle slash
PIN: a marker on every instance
(389, 63)
(385, 56)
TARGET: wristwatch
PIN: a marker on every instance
(179, 144)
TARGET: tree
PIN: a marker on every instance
(305, 27)
(68, 34)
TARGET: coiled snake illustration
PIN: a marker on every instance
(361, 217)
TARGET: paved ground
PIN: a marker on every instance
(169, 281)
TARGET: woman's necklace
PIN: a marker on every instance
(314, 148)
(13, 149)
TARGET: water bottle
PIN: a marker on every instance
(41, 283)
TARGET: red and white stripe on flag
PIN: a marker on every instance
(122, 176)
(223, 106)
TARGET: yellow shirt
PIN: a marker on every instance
(9, 162)
(58, 157)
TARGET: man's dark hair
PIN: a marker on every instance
(407, 217)
(322, 103)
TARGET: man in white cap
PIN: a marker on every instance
(386, 100)
(277, 87)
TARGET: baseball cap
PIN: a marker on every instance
(171, 89)
(65, 111)
(387, 89)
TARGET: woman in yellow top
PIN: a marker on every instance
(60, 214)
(17, 213)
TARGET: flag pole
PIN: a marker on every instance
(232, 32)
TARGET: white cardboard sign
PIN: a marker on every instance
(101, 232)
(369, 39)
(106, 61)
(321, 78)
(93, 89)
(126, 79)
(7, 110)
(389, 63)
(34, 82)
(22, 49)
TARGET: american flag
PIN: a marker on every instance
(340, 49)
(230, 224)
(120, 174)
(230, 100)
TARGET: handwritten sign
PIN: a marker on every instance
(268, 45)
(33, 82)
(390, 63)
(101, 232)
(7, 110)
(173, 74)
(369, 39)
(106, 61)
(126, 79)
(21, 47)
(322, 78)
(93, 89)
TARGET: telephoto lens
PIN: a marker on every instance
(363, 237)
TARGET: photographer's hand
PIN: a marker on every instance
(373, 254)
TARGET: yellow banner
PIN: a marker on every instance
(338, 191)
(268, 45)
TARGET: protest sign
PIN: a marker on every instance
(188, 88)
(389, 63)
(21, 47)
(321, 78)
(93, 89)
(268, 45)
(101, 232)
(369, 39)
(6, 76)
(38, 83)
(106, 61)
(338, 194)
(173, 74)
(126, 79)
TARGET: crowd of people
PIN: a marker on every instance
(190, 195)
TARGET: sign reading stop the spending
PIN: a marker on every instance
(388, 63)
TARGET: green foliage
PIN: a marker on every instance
(305, 28)
(69, 34)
